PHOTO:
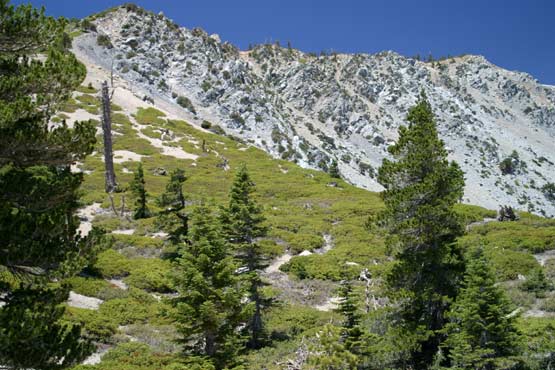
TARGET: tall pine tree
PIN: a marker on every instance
(421, 188)
(138, 190)
(352, 334)
(482, 333)
(208, 308)
(173, 201)
(38, 192)
(243, 225)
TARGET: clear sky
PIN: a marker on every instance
(514, 34)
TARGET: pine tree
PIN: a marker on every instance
(334, 170)
(421, 188)
(38, 192)
(138, 189)
(173, 202)
(352, 334)
(482, 332)
(330, 353)
(243, 225)
(208, 308)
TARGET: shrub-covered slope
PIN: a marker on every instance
(317, 232)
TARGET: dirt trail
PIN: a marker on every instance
(86, 215)
(485, 221)
(277, 263)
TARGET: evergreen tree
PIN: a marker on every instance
(329, 352)
(243, 225)
(173, 202)
(537, 283)
(38, 192)
(351, 333)
(138, 190)
(208, 308)
(482, 332)
(421, 188)
(334, 170)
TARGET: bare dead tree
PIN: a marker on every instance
(369, 295)
(110, 175)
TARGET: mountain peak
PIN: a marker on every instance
(317, 109)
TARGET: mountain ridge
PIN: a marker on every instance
(346, 108)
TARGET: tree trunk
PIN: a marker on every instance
(209, 344)
(107, 131)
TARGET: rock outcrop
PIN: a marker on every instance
(341, 107)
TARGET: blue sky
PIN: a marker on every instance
(514, 34)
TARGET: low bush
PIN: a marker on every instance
(150, 274)
(548, 304)
(288, 322)
(96, 326)
(300, 242)
(537, 283)
(549, 191)
(138, 356)
(112, 264)
(186, 103)
(104, 40)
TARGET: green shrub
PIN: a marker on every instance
(549, 268)
(90, 287)
(206, 124)
(89, 89)
(236, 117)
(186, 103)
(138, 356)
(125, 311)
(548, 304)
(206, 85)
(112, 264)
(104, 40)
(87, 25)
(216, 129)
(511, 165)
(537, 283)
(508, 264)
(288, 322)
(470, 213)
(549, 191)
(150, 274)
(300, 242)
(149, 116)
(96, 326)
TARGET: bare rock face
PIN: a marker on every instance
(316, 109)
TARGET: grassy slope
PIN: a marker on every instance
(300, 207)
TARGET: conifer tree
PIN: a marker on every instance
(173, 202)
(421, 188)
(38, 192)
(482, 333)
(243, 225)
(138, 190)
(208, 308)
(352, 333)
(330, 353)
(334, 170)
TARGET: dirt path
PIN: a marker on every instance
(485, 221)
(86, 215)
(277, 263)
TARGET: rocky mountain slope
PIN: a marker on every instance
(499, 125)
